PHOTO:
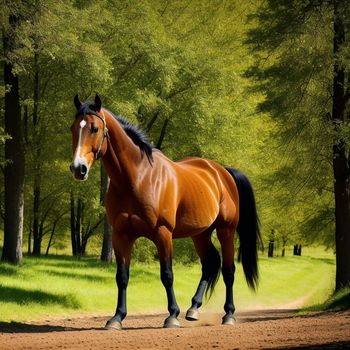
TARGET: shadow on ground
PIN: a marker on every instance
(74, 324)
(22, 296)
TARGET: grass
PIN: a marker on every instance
(63, 286)
(336, 302)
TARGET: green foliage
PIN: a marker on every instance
(3, 138)
(192, 77)
(184, 251)
(292, 42)
(144, 251)
(163, 65)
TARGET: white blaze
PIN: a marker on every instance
(77, 158)
(82, 123)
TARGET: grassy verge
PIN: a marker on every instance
(62, 286)
(337, 302)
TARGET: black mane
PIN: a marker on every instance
(137, 136)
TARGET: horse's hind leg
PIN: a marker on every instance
(210, 260)
(225, 237)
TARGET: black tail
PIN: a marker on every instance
(248, 228)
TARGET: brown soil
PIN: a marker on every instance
(253, 330)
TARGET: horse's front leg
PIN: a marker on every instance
(122, 245)
(164, 245)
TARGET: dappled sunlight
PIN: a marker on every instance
(59, 286)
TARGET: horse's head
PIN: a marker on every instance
(88, 136)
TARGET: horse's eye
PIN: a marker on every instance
(94, 129)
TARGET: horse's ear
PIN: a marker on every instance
(77, 102)
(98, 103)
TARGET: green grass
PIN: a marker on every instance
(336, 302)
(63, 286)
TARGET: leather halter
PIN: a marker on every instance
(97, 154)
(105, 130)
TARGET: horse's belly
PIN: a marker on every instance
(183, 232)
(194, 218)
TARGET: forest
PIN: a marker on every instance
(263, 86)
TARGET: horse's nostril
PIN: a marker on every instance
(83, 169)
(71, 168)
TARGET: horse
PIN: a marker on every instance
(152, 196)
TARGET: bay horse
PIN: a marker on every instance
(151, 196)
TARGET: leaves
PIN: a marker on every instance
(180, 70)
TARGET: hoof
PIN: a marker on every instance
(113, 325)
(171, 322)
(228, 320)
(192, 315)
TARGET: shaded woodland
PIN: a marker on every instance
(262, 86)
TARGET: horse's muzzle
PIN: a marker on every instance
(79, 170)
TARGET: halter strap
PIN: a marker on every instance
(97, 154)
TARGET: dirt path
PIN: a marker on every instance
(253, 330)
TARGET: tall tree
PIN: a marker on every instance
(303, 70)
(14, 150)
(341, 155)
(47, 48)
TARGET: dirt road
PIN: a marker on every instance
(253, 330)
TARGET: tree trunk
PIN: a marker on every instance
(30, 240)
(72, 224)
(162, 133)
(107, 251)
(271, 244)
(37, 245)
(25, 125)
(53, 230)
(340, 162)
(270, 251)
(295, 249)
(51, 238)
(284, 243)
(36, 205)
(299, 250)
(37, 160)
(78, 225)
(152, 121)
(14, 154)
(84, 240)
(38, 240)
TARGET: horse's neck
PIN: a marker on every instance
(122, 157)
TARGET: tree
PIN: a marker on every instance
(341, 155)
(298, 43)
(44, 50)
(14, 149)
(86, 212)
(107, 250)
(161, 64)
(271, 244)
